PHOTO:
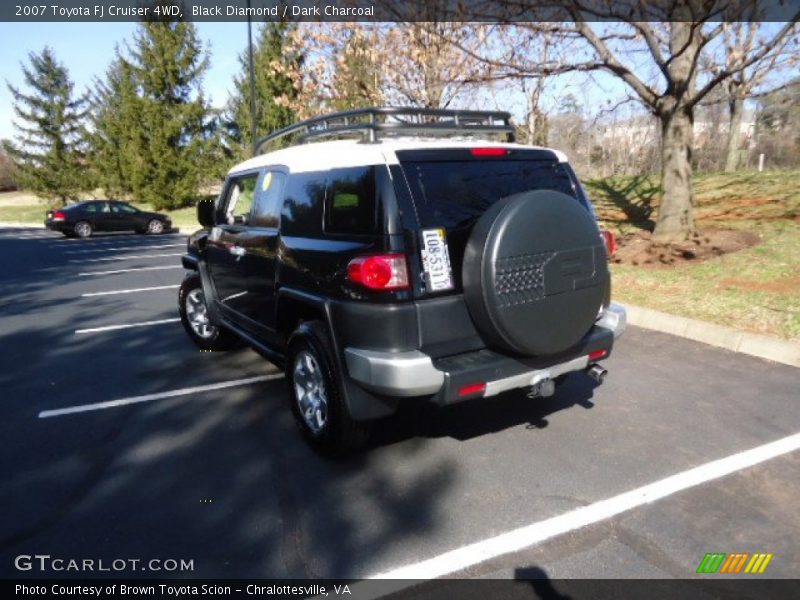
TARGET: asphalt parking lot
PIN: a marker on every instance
(118, 441)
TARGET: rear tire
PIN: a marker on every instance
(155, 227)
(315, 394)
(195, 319)
(83, 229)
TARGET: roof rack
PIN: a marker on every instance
(391, 120)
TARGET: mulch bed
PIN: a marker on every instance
(640, 249)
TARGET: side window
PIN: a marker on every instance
(267, 210)
(350, 205)
(238, 200)
(302, 208)
(103, 207)
(126, 208)
(91, 208)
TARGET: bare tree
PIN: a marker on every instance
(422, 67)
(405, 62)
(535, 119)
(655, 48)
(739, 40)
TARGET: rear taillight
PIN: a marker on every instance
(597, 355)
(610, 240)
(379, 272)
(472, 389)
(490, 151)
(59, 216)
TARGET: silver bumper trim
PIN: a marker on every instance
(409, 373)
(614, 318)
(530, 378)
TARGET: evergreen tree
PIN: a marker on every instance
(113, 140)
(172, 134)
(48, 150)
(277, 68)
(7, 170)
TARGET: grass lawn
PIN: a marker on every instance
(757, 289)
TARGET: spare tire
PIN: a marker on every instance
(534, 273)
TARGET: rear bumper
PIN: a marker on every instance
(57, 226)
(414, 373)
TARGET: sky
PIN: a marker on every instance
(87, 49)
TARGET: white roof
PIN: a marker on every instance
(321, 156)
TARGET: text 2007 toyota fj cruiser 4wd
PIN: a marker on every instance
(416, 261)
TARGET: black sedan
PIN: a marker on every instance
(84, 218)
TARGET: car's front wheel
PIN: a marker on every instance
(195, 319)
(83, 229)
(315, 394)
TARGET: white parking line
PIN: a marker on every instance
(122, 249)
(126, 326)
(88, 273)
(127, 257)
(70, 410)
(132, 291)
(529, 535)
(113, 239)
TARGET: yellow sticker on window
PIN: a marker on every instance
(265, 183)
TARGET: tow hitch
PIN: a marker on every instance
(542, 388)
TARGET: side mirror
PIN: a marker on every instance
(205, 213)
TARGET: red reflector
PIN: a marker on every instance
(610, 240)
(472, 388)
(488, 151)
(381, 272)
(597, 354)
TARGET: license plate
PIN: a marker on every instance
(436, 261)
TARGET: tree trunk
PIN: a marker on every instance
(732, 153)
(675, 220)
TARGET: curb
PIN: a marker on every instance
(18, 224)
(762, 346)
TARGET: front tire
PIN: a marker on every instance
(315, 394)
(195, 319)
(83, 229)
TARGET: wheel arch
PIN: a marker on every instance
(295, 306)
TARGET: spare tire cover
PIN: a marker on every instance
(534, 273)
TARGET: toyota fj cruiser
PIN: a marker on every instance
(418, 260)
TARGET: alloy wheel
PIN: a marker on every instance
(197, 314)
(310, 393)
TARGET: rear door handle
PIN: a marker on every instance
(237, 251)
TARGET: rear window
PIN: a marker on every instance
(453, 193)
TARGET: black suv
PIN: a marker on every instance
(418, 260)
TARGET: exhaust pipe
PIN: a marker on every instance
(597, 372)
